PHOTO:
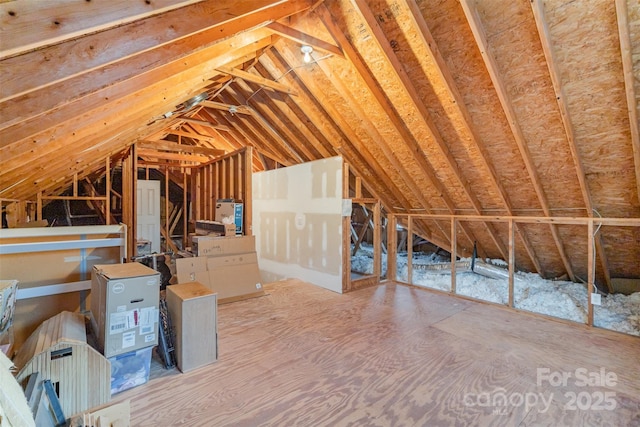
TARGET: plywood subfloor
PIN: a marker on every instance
(393, 355)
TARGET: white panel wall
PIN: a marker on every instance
(297, 223)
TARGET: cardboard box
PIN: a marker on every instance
(230, 212)
(110, 414)
(8, 291)
(130, 369)
(193, 310)
(217, 246)
(124, 307)
(193, 269)
(215, 228)
(234, 276)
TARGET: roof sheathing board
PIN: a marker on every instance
(106, 119)
(449, 27)
(327, 131)
(396, 22)
(335, 82)
(512, 34)
(622, 244)
(633, 18)
(584, 36)
(322, 113)
(350, 21)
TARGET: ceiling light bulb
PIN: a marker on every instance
(306, 50)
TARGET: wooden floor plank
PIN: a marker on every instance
(546, 342)
(390, 355)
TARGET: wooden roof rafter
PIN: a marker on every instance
(262, 81)
(80, 162)
(363, 70)
(195, 136)
(543, 33)
(475, 23)
(449, 83)
(201, 24)
(267, 127)
(120, 68)
(148, 153)
(424, 115)
(252, 132)
(93, 18)
(278, 113)
(627, 53)
(337, 131)
(176, 76)
(225, 141)
(85, 141)
(179, 148)
(276, 118)
(304, 125)
(305, 39)
(212, 125)
(232, 133)
(229, 108)
(370, 129)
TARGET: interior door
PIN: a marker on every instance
(148, 213)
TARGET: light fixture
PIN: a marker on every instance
(233, 109)
(306, 50)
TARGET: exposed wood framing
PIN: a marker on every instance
(267, 126)
(512, 260)
(93, 17)
(591, 277)
(399, 125)
(425, 117)
(306, 39)
(206, 123)
(449, 82)
(155, 154)
(626, 50)
(230, 108)
(129, 184)
(454, 251)
(346, 240)
(392, 248)
(250, 77)
(337, 131)
(215, 180)
(558, 220)
(185, 209)
(410, 249)
(179, 148)
(478, 31)
(195, 136)
(543, 32)
(438, 107)
(273, 122)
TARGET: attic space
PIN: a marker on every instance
(376, 156)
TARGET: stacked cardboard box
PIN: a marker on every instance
(229, 211)
(226, 265)
(193, 310)
(124, 308)
(214, 228)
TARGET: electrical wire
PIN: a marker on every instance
(287, 72)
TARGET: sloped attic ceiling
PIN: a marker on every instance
(486, 107)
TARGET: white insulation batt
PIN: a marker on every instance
(563, 299)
